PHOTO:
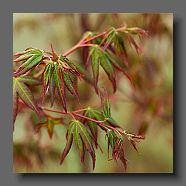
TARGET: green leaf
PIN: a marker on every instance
(77, 139)
(30, 63)
(52, 89)
(82, 138)
(99, 57)
(25, 55)
(48, 81)
(70, 84)
(15, 105)
(112, 122)
(115, 41)
(119, 65)
(29, 80)
(95, 54)
(47, 75)
(115, 38)
(67, 147)
(105, 104)
(123, 158)
(112, 138)
(119, 43)
(25, 94)
(56, 77)
(86, 138)
(49, 125)
(69, 66)
(92, 125)
(97, 114)
(107, 66)
(116, 143)
(115, 60)
(60, 86)
(110, 38)
(133, 43)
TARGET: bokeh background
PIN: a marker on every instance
(146, 110)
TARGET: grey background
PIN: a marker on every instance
(6, 11)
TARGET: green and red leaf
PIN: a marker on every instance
(105, 104)
(108, 68)
(78, 133)
(69, 66)
(60, 85)
(71, 86)
(25, 94)
(30, 80)
(92, 125)
(49, 124)
(115, 141)
(95, 54)
(67, 148)
(32, 60)
(15, 106)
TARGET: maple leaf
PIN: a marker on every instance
(115, 141)
(94, 114)
(30, 59)
(105, 104)
(69, 66)
(99, 57)
(57, 77)
(21, 90)
(49, 124)
(78, 133)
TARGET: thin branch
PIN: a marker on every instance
(100, 123)
(85, 117)
(76, 47)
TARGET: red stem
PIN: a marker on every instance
(82, 116)
(100, 123)
(95, 37)
(82, 43)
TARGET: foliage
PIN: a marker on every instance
(58, 76)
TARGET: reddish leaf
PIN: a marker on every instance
(15, 105)
(60, 86)
(33, 60)
(71, 86)
(67, 147)
(108, 68)
(81, 138)
(49, 125)
(25, 94)
(134, 144)
(105, 104)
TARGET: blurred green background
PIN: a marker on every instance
(148, 109)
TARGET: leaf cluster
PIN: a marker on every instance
(57, 76)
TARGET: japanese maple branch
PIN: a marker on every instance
(100, 123)
(83, 42)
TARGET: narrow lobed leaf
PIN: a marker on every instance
(29, 64)
(95, 62)
(92, 126)
(107, 66)
(15, 106)
(60, 86)
(29, 80)
(69, 66)
(67, 147)
(25, 94)
(82, 138)
(70, 84)
(105, 104)
(25, 55)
